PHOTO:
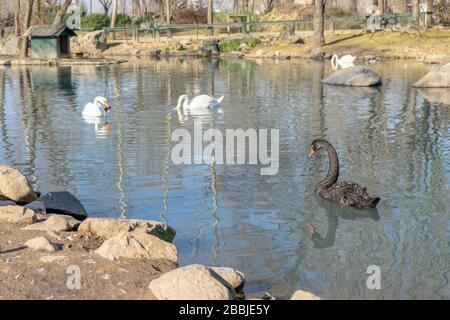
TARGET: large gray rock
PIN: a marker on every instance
(91, 43)
(62, 202)
(14, 185)
(110, 227)
(10, 46)
(17, 214)
(434, 79)
(140, 246)
(55, 223)
(353, 76)
(233, 277)
(317, 54)
(192, 282)
(304, 295)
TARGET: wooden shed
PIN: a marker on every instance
(49, 41)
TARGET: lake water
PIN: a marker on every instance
(395, 140)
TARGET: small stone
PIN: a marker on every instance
(304, 295)
(17, 214)
(192, 282)
(41, 243)
(259, 53)
(55, 223)
(233, 277)
(51, 259)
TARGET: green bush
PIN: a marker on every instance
(95, 21)
(233, 44)
(123, 20)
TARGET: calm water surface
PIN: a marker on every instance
(395, 140)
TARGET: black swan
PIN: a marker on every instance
(345, 193)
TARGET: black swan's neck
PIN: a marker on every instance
(333, 169)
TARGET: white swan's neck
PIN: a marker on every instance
(181, 101)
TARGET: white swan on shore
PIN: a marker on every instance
(343, 62)
(199, 102)
(98, 108)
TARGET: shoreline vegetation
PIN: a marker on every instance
(51, 249)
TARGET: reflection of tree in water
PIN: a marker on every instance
(334, 213)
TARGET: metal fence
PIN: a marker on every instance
(155, 31)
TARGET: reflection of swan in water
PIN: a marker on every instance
(101, 128)
(343, 62)
(204, 114)
(334, 213)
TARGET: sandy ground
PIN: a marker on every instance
(23, 274)
(399, 44)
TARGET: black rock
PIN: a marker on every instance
(62, 202)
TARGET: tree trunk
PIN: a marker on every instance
(319, 38)
(210, 16)
(429, 15)
(114, 14)
(61, 12)
(17, 28)
(381, 7)
(26, 25)
(169, 33)
(416, 12)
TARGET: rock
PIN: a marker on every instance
(51, 259)
(243, 47)
(5, 62)
(62, 202)
(353, 76)
(150, 53)
(14, 185)
(304, 295)
(434, 79)
(4, 203)
(192, 282)
(41, 243)
(109, 227)
(37, 206)
(92, 43)
(317, 54)
(436, 58)
(445, 68)
(10, 46)
(285, 56)
(269, 54)
(55, 223)
(17, 214)
(140, 246)
(436, 95)
(295, 40)
(233, 277)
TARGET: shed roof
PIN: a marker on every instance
(48, 30)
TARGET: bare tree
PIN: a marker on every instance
(106, 4)
(210, 16)
(416, 4)
(62, 11)
(269, 5)
(319, 10)
(26, 25)
(17, 28)
(114, 14)
(429, 15)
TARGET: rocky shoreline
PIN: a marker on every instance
(51, 249)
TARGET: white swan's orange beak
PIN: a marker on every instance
(311, 151)
(312, 230)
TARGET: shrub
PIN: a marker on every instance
(122, 20)
(191, 16)
(233, 44)
(95, 21)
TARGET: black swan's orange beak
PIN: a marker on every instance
(311, 152)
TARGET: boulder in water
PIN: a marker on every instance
(353, 76)
(435, 79)
(62, 202)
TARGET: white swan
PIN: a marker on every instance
(198, 102)
(344, 62)
(98, 108)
